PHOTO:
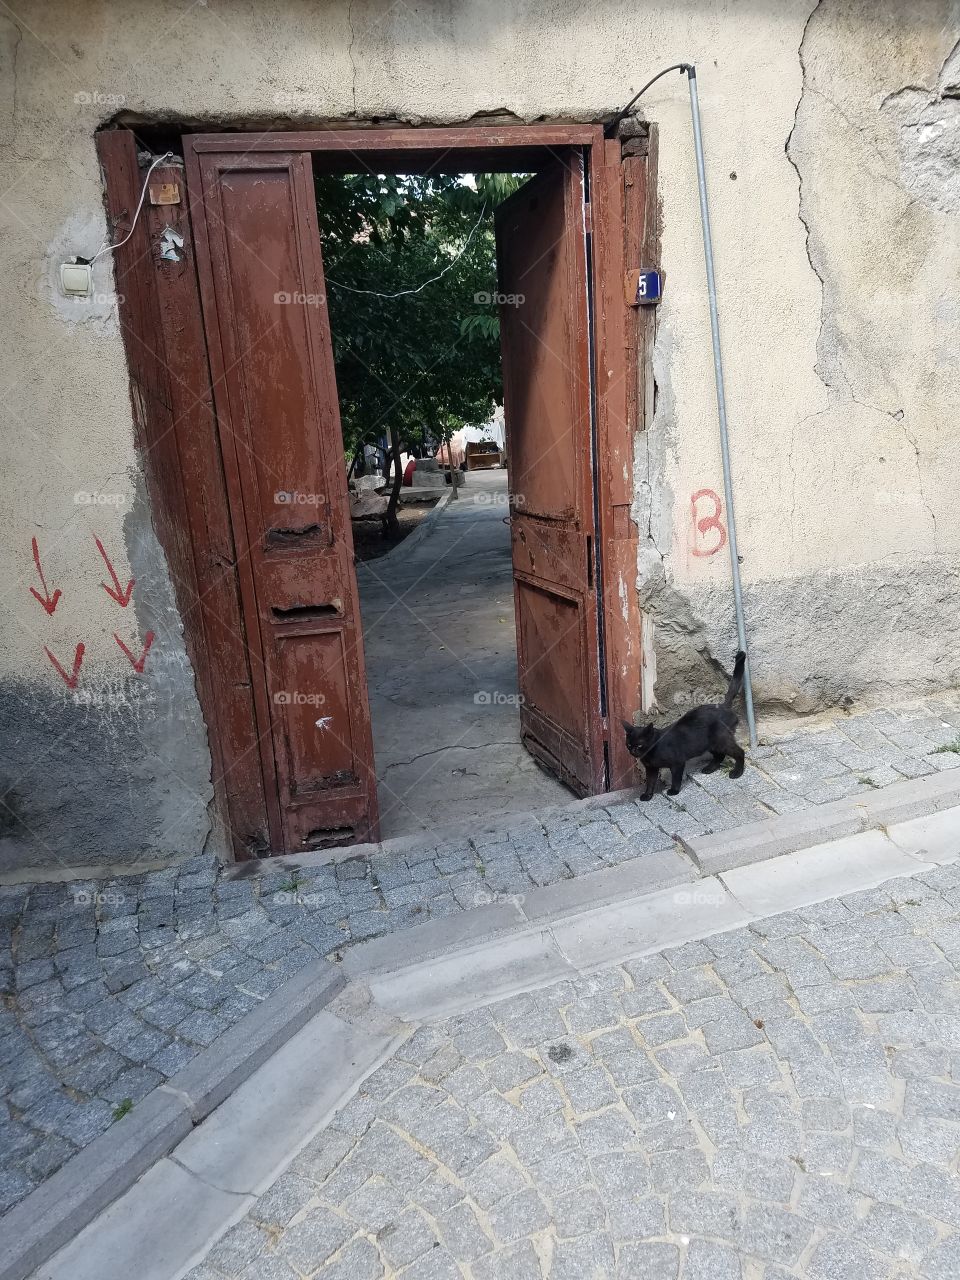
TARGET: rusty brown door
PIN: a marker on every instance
(542, 254)
(267, 329)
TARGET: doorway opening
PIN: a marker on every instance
(244, 413)
(424, 282)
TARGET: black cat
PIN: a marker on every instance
(708, 728)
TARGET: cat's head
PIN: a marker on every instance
(639, 738)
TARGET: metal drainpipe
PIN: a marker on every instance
(721, 401)
(690, 71)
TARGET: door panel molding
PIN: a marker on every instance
(264, 300)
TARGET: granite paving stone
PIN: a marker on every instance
(112, 986)
(541, 1156)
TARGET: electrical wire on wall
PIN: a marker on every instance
(106, 247)
(610, 129)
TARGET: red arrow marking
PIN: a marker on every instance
(48, 601)
(121, 596)
(137, 663)
(69, 680)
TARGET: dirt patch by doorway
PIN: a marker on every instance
(369, 540)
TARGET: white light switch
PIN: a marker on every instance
(76, 279)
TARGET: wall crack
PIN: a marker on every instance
(788, 152)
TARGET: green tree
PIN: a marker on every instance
(410, 265)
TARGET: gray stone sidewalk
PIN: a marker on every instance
(779, 1101)
(110, 987)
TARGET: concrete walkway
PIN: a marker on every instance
(440, 646)
(759, 1081)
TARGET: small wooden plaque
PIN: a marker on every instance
(164, 193)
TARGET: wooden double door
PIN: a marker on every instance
(255, 471)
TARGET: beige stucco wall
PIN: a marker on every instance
(837, 255)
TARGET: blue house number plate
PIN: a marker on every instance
(649, 287)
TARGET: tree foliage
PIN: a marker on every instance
(423, 363)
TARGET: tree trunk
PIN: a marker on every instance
(390, 522)
(453, 474)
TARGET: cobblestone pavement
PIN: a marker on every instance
(781, 1100)
(110, 987)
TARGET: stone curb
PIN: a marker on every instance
(758, 841)
(216, 1173)
(536, 910)
(56, 1211)
(423, 530)
(215, 1073)
(560, 905)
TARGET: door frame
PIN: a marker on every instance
(622, 225)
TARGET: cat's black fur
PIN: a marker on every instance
(708, 729)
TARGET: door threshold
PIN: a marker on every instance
(489, 832)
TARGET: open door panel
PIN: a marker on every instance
(542, 248)
(268, 333)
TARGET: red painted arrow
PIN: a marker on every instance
(69, 680)
(137, 663)
(48, 601)
(121, 596)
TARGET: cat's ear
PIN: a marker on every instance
(629, 729)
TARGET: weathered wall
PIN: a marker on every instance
(832, 136)
(842, 377)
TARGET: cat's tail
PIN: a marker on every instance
(736, 680)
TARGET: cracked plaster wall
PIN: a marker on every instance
(843, 395)
(836, 264)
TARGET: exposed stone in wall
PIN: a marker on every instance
(928, 129)
(895, 626)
